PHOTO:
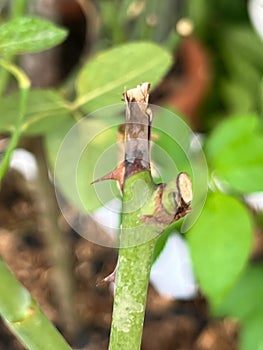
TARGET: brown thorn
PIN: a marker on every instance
(117, 174)
(110, 278)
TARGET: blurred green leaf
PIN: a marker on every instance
(45, 111)
(251, 336)
(170, 145)
(234, 151)
(228, 131)
(113, 26)
(246, 296)
(199, 14)
(98, 159)
(105, 77)
(220, 243)
(245, 303)
(244, 42)
(242, 53)
(80, 154)
(29, 34)
(238, 98)
(53, 141)
(237, 65)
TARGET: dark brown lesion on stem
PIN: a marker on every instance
(137, 129)
(136, 136)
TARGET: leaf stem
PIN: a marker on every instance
(58, 244)
(24, 317)
(17, 8)
(24, 85)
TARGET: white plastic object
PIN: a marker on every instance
(255, 11)
(172, 274)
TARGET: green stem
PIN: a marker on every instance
(134, 264)
(4, 76)
(147, 210)
(138, 237)
(58, 245)
(17, 8)
(24, 317)
(24, 85)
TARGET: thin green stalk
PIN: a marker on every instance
(17, 8)
(4, 76)
(24, 85)
(24, 317)
(58, 245)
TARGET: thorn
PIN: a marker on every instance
(117, 174)
(110, 278)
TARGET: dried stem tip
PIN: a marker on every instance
(138, 128)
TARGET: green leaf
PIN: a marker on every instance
(234, 151)
(54, 139)
(238, 98)
(29, 34)
(251, 336)
(246, 296)
(220, 243)
(45, 111)
(105, 77)
(98, 159)
(237, 64)
(199, 13)
(80, 154)
(170, 144)
(244, 302)
(244, 42)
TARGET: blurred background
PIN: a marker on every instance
(217, 71)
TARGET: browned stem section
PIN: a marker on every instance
(137, 131)
(137, 136)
